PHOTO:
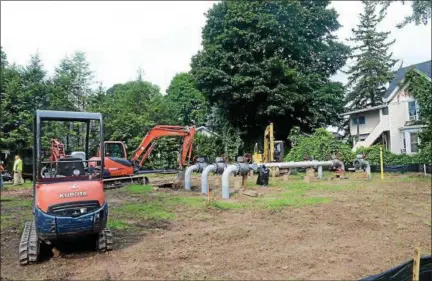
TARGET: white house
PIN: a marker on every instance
(395, 124)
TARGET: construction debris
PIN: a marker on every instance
(251, 193)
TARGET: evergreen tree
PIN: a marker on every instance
(372, 68)
(34, 83)
(421, 11)
(72, 81)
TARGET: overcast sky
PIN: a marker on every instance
(160, 37)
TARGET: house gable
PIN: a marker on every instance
(394, 88)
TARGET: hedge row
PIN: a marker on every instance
(322, 146)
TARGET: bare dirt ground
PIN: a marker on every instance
(362, 228)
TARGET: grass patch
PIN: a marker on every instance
(194, 202)
(295, 202)
(10, 202)
(135, 188)
(15, 220)
(144, 210)
(117, 224)
(223, 205)
(26, 185)
(6, 222)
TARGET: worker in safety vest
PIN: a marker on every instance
(17, 168)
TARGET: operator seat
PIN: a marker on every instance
(66, 168)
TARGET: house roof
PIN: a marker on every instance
(364, 110)
(203, 128)
(424, 67)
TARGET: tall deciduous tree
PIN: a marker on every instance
(373, 63)
(130, 110)
(271, 61)
(187, 102)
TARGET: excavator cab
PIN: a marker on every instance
(278, 151)
(115, 149)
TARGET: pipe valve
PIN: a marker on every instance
(220, 166)
(202, 162)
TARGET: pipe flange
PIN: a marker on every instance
(220, 167)
(201, 167)
(243, 168)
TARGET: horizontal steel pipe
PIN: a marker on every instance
(305, 164)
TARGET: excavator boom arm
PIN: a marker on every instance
(57, 150)
(146, 145)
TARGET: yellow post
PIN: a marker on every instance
(382, 163)
(416, 265)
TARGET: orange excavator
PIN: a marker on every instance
(117, 165)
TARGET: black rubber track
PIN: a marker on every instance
(29, 246)
(105, 240)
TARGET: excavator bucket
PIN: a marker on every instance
(179, 180)
(176, 183)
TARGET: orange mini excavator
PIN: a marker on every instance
(117, 164)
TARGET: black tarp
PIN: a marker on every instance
(263, 176)
(404, 272)
(402, 168)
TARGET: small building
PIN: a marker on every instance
(395, 123)
(206, 132)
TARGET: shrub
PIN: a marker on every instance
(321, 145)
(209, 146)
(390, 159)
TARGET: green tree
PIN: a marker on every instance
(23, 91)
(420, 86)
(14, 131)
(271, 61)
(188, 104)
(230, 137)
(372, 68)
(421, 11)
(131, 110)
(34, 78)
(71, 83)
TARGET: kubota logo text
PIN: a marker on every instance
(73, 194)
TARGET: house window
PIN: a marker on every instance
(361, 119)
(413, 110)
(385, 111)
(414, 142)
